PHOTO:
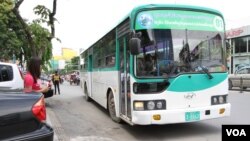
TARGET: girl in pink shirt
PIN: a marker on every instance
(32, 76)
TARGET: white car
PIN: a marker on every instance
(11, 78)
(241, 78)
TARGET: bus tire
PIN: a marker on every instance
(111, 108)
(87, 98)
(230, 85)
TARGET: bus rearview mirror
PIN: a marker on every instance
(134, 45)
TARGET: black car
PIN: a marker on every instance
(22, 117)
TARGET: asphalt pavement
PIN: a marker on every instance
(59, 132)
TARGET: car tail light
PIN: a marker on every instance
(39, 109)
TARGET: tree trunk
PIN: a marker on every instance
(51, 20)
(25, 27)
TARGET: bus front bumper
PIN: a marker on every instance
(180, 115)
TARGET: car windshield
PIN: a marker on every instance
(166, 52)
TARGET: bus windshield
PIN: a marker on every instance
(170, 52)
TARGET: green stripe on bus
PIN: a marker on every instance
(105, 69)
(178, 19)
(195, 82)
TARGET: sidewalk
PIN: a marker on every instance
(49, 122)
(53, 121)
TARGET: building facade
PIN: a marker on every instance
(59, 61)
(239, 39)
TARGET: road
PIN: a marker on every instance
(75, 119)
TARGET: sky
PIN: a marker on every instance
(82, 22)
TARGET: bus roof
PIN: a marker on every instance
(134, 11)
(175, 6)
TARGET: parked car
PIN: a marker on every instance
(241, 78)
(11, 77)
(22, 115)
(241, 66)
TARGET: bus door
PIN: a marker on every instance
(125, 102)
(90, 75)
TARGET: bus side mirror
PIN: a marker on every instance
(134, 45)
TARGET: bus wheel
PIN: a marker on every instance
(111, 108)
(86, 93)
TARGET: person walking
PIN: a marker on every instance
(56, 81)
(33, 74)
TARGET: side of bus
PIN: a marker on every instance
(103, 74)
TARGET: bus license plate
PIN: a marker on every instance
(192, 116)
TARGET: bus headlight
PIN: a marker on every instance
(215, 100)
(159, 105)
(138, 105)
(149, 105)
(219, 99)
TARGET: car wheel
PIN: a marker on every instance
(111, 108)
(86, 93)
(230, 84)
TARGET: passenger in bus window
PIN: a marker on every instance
(149, 63)
(140, 69)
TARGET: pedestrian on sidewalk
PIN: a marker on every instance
(56, 81)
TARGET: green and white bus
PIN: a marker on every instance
(186, 79)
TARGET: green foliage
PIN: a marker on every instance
(13, 39)
(44, 13)
(75, 63)
(75, 60)
(43, 45)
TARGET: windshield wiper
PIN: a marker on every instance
(205, 70)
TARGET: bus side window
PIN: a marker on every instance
(110, 60)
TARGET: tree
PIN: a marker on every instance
(75, 62)
(38, 46)
(47, 17)
(18, 37)
(25, 27)
(43, 45)
(11, 34)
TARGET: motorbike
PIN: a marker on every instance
(74, 79)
